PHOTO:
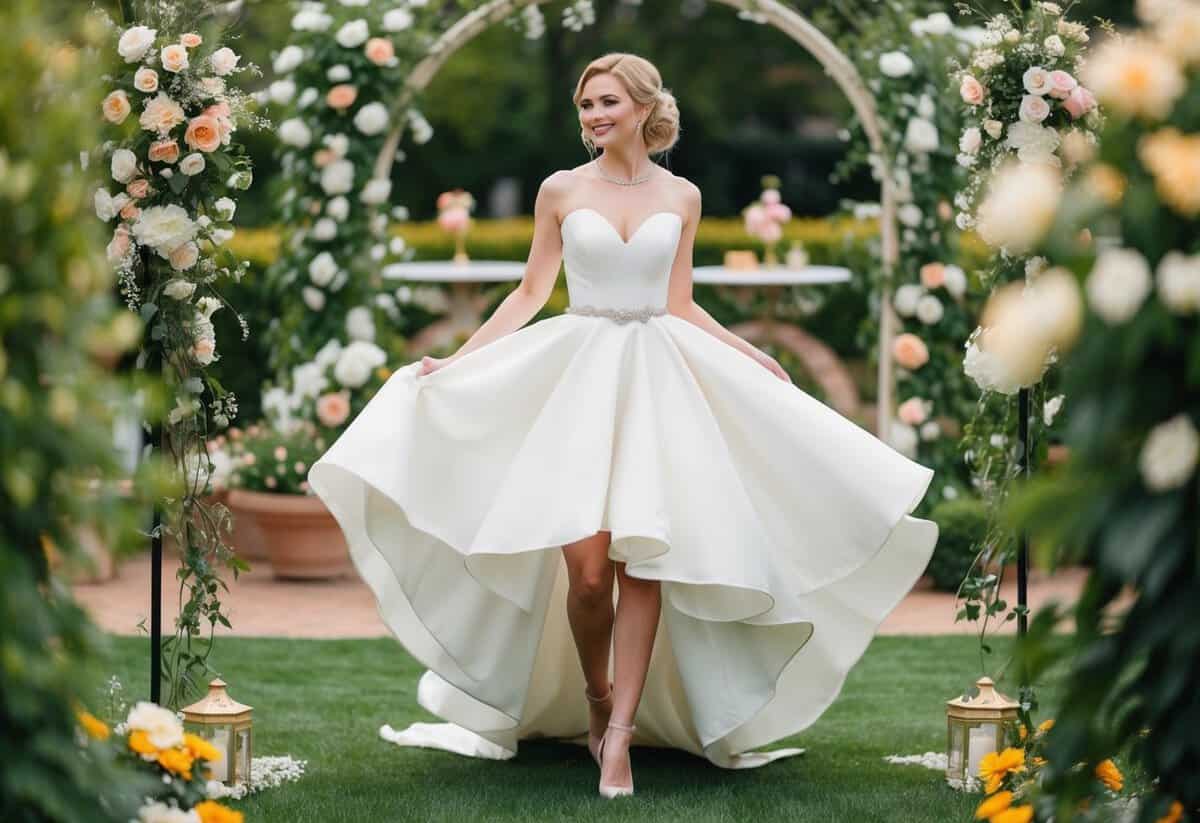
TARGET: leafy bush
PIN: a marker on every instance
(960, 523)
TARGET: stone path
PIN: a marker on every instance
(259, 605)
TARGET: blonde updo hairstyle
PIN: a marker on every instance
(660, 128)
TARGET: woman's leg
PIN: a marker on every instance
(635, 626)
(590, 613)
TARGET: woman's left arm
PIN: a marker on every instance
(679, 291)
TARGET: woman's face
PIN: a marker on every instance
(606, 111)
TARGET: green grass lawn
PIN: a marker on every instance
(324, 701)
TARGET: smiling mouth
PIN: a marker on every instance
(598, 130)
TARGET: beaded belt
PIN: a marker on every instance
(619, 315)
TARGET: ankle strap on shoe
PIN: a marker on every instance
(600, 699)
(622, 727)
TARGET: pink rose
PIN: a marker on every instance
(280, 453)
(444, 199)
(912, 411)
(341, 96)
(910, 351)
(1061, 84)
(933, 275)
(756, 219)
(333, 408)
(164, 151)
(779, 212)
(771, 232)
(453, 219)
(971, 90)
(203, 133)
(1079, 102)
(770, 196)
(116, 107)
(379, 50)
(191, 40)
(139, 188)
(118, 247)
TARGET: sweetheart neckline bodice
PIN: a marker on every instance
(615, 232)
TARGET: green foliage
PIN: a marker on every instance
(959, 524)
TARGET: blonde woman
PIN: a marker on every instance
(499, 500)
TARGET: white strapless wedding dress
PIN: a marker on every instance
(781, 531)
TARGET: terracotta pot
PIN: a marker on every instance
(244, 538)
(93, 562)
(300, 536)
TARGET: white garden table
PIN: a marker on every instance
(468, 299)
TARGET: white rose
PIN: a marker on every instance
(895, 64)
(397, 245)
(322, 268)
(135, 42)
(124, 165)
(281, 91)
(226, 208)
(1051, 409)
(1169, 454)
(938, 23)
(324, 229)
(921, 136)
(1118, 284)
(994, 128)
(1179, 282)
(178, 289)
(309, 380)
(970, 141)
(221, 236)
(339, 144)
(288, 59)
(376, 191)
(338, 177)
(338, 208)
(338, 74)
(1034, 143)
(371, 119)
(926, 107)
(353, 34)
(955, 281)
(1037, 81)
(224, 61)
(185, 256)
(311, 20)
(910, 215)
(931, 430)
(157, 811)
(313, 298)
(328, 354)
(1020, 207)
(145, 80)
(163, 729)
(104, 205)
(903, 438)
(1034, 109)
(307, 98)
(353, 368)
(213, 86)
(906, 299)
(359, 324)
(930, 310)
(205, 306)
(1054, 45)
(174, 58)
(295, 132)
(397, 20)
(164, 228)
(192, 165)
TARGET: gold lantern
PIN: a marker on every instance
(226, 724)
(976, 726)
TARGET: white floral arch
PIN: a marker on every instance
(771, 12)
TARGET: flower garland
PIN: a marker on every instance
(174, 110)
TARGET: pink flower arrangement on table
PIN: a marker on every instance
(764, 218)
(454, 216)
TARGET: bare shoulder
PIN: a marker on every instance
(687, 193)
(557, 183)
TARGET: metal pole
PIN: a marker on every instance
(1026, 468)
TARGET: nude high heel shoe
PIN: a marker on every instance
(608, 790)
(596, 752)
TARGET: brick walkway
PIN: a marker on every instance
(259, 605)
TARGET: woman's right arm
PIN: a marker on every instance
(541, 270)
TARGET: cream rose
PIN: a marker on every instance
(1034, 108)
(119, 246)
(376, 191)
(178, 289)
(1036, 80)
(288, 59)
(895, 64)
(322, 269)
(224, 60)
(1118, 284)
(225, 207)
(1179, 282)
(913, 411)
(970, 141)
(123, 165)
(174, 58)
(161, 114)
(1168, 458)
(971, 90)
(191, 40)
(338, 177)
(192, 165)
(138, 189)
(371, 119)
(352, 34)
(145, 80)
(1020, 206)
(164, 228)
(994, 128)
(185, 256)
(294, 132)
(163, 729)
(203, 133)
(135, 42)
(116, 106)
(397, 20)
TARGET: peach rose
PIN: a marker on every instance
(130, 211)
(164, 151)
(341, 96)
(138, 188)
(1079, 102)
(191, 40)
(971, 90)
(116, 107)
(174, 58)
(203, 133)
(185, 256)
(224, 117)
(379, 50)
(118, 247)
(933, 275)
(203, 352)
(444, 199)
(323, 158)
(161, 114)
(912, 411)
(145, 80)
(910, 351)
(333, 408)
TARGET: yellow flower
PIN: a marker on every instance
(1174, 160)
(993, 783)
(91, 724)
(1038, 762)
(994, 805)
(1016, 814)
(1110, 775)
(1021, 733)
(1045, 726)
(200, 748)
(1133, 76)
(212, 812)
(1173, 815)
(999, 764)
(139, 741)
(177, 761)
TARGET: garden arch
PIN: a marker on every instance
(772, 12)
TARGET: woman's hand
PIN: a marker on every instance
(771, 364)
(432, 364)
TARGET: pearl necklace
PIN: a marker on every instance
(635, 181)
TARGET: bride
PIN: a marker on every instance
(631, 449)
